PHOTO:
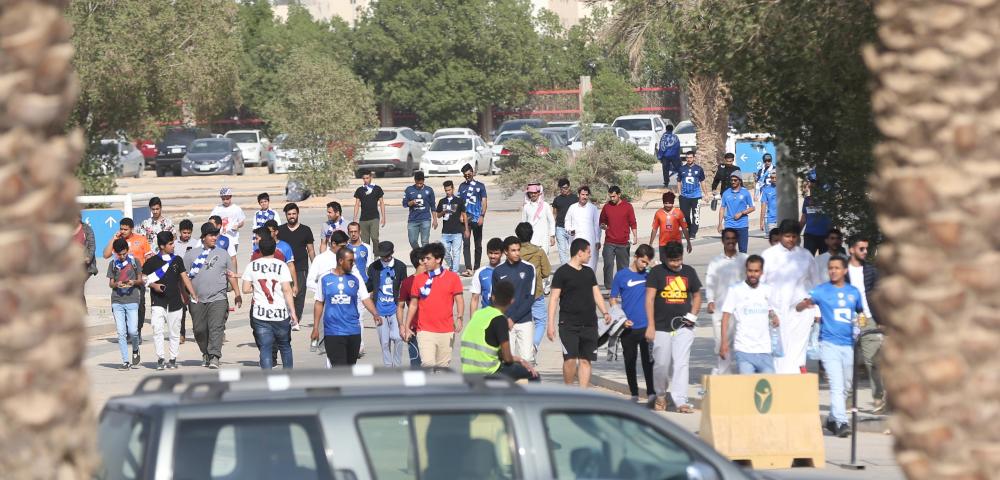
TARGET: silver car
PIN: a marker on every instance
(213, 156)
(396, 149)
(126, 158)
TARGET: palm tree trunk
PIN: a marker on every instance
(936, 195)
(46, 422)
(709, 101)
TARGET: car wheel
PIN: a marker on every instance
(142, 168)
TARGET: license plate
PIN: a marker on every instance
(442, 169)
(176, 150)
(205, 168)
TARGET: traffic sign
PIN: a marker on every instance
(104, 221)
(750, 154)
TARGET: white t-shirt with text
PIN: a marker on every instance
(267, 275)
(748, 307)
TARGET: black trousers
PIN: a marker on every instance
(142, 309)
(300, 299)
(477, 238)
(342, 350)
(184, 311)
(691, 210)
(816, 244)
(634, 341)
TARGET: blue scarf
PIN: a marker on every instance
(119, 266)
(262, 216)
(198, 263)
(425, 290)
(160, 272)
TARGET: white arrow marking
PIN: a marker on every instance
(110, 221)
(743, 157)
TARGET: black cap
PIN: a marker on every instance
(385, 249)
(418, 175)
(209, 228)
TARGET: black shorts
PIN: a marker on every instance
(578, 342)
(342, 350)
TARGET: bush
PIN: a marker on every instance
(96, 174)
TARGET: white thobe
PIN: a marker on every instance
(791, 275)
(723, 272)
(543, 224)
(585, 222)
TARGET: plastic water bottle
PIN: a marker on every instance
(776, 349)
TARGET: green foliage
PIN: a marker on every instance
(328, 115)
(568, 54)
(96, 174)
(612, 96)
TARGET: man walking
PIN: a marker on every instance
(156, 222)
(337, 297)
(790, 271)
(438, 308)
(538, 214)
(485, 341)
(560, 206)
(334, 222)
(668, 152)
(761, 176)
(737, 203)
(747, 316)
(575, 293)
(265, 213)
(184, 242)
(725, 270)
(815, 222)
(454, 224)
(629, 290)
(362, 254)
(673, 298)
(864, 276)
(165, 275)
(138, 248)
(670, 224)
(300, 238)
(270, 282)
(617, 220)
(123, 278)
(691, 176)
(721, 179)
(419, 199)
(369, 200)
(482, 280)
(539, 259)
(834, 241)
(583, 221)
(473, 193)
(233, 219)
(409, 332)
(522, 276)
(769, 202)
(209, 269)
(385, 277)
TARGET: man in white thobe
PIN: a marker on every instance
(583, 220)
(726, 269)
(538, 213)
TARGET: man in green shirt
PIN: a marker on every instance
(486, 340)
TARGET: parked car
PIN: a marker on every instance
(646, 130)
(585, 138)
(427, 137)
(365, 423)
(520, 124)
(449, 154)
(148, 149)
(553, 141)
(252, 143)
(397, 149)
(566, 133)
(282, 159)
(213, 156)
(687, 134)
(564, 123)
(173, 148)
(128, 161)
(441, 132)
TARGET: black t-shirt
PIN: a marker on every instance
(369, 202)
(298, 239)
(562, 203)
(453, 220)
(673, 294)
(576, 299)
(171, 280)
(497, 332)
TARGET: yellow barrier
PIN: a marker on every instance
(765, 421)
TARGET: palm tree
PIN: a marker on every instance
(934, 99)
(47, 425)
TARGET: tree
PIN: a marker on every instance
(328, 115)
(612, 96)
(937, 173)
(568, 54)
(48, 422)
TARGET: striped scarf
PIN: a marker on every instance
(425, 290)
(198, 263)
(120, 265)
(160, 272)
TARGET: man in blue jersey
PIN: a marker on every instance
(473, 193)
(385, 277)
(362, 254)
(690, 177)
(419, 199)
(668, 152)
(815, 223)
(482, 280)
(737, 203)
(629, 289)
(769, 202)
(839, 303)
(337, 297)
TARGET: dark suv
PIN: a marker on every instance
(173, 147)
(366, 423)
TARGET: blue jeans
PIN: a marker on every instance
(414, 349)
(742, 237)
(563, 239)
(269, 334)
(670, 165)
(750, 363)
(838, 363)
(421, 229)
(452, 249)
(540, 314)
(392, 343)
(127, 323)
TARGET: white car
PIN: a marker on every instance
(686, 133)
(282, 159)
(252, 143)
(448, 154)
(646, 130)
(442, 132)
(564, 123)
(582, 139)
(393, 149)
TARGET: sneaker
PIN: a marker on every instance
(160, 364)
(172, 365)
(321, 350)
(843, 430)
(135, 359)
(205, 360)
(214, 363)
(296, 327)
(831, 425)
(635, 398)
(660, 405)
(125, 366)
(879, 405)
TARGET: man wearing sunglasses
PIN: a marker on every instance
(737, 203)
(864, 276)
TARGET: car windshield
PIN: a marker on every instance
(384, 136)
(209, 146)
(634, 124)
(451, 144)
(507, 137)
(109, 148)
(684, 128)
(242, 137)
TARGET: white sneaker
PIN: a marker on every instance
(295, 327)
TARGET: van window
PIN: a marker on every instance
(604, 445)
(443, 446)
(250, 448)
(121, 438)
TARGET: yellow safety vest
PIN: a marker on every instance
(478, 356)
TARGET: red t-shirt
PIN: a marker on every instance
(620, 219)
(435, 313)
(404, 296)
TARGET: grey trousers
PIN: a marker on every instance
(208, 321)
(870, 346)
(671, 357)
(369, 232)
(615, 258)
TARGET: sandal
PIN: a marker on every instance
(467, 273)
(686, 408)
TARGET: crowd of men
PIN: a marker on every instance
(769, 311)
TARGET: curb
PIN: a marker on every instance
(868, 423)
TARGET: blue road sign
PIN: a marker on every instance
(749, 155)
(104, 221)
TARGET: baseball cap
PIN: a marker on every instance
(226, 192)
(208, 228)
(385, 249)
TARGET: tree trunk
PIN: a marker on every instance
(936, 194)
(710, 98)
(46, 422)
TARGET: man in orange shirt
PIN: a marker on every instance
(138, 247)
(670, 222)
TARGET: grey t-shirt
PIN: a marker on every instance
(210, 282)
(129, 272)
